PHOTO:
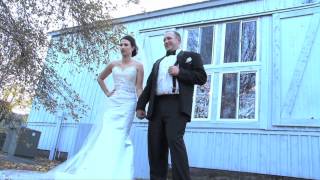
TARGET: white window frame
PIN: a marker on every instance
(216, 70)
(257, 94)
(210, 101)
(223, 34)
(184, 46)
(237, 67)
(185, 39)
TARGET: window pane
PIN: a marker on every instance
(193, 40)
(201, 108)
(229, 96)
(247, 96)
(231, 49)
(206, 44)
(248, 42)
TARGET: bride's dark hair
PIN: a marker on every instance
(133, 44)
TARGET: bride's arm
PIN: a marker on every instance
(102, 76)
(139, 79)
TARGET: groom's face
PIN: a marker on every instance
(170, 41)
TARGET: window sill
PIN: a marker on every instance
(205, 124)
(224, 124)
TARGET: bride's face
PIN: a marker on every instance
(126, 48)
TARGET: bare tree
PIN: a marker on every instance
(88, 33)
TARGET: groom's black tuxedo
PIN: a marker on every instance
(191, 72)
(168, 116)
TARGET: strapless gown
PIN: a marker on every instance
(108, 152)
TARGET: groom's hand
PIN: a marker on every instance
(174, 70)
(140, 114)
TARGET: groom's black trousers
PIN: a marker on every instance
(166, 130)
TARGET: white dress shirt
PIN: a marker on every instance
(164, 81)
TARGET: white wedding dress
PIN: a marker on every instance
(108, 152)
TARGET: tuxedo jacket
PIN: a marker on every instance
(191, 72)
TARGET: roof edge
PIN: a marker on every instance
(178, 9)
(158, 13)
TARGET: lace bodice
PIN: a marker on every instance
(125, 78)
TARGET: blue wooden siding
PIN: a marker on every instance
(266, 152)
(266, 146)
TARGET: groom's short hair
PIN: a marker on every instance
(178, 36)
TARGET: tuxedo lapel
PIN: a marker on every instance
(179, 58)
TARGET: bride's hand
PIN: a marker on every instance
(140, 114)
(110, 93)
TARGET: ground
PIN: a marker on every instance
(44, 164)
(36, 164)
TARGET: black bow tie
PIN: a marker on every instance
(171, 52)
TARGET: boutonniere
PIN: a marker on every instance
(189, 59)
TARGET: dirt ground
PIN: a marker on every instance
(44, 164)
(20, 163)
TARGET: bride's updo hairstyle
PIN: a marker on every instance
(133, 44)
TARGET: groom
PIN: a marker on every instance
(169, 91)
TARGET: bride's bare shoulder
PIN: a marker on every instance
(138, 64)
(114, 63)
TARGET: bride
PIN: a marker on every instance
(107, 153)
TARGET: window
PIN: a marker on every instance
(200, 39)
(202, 101)
(232, 65)
(238, 76)
(240, 42)
(238, 95)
